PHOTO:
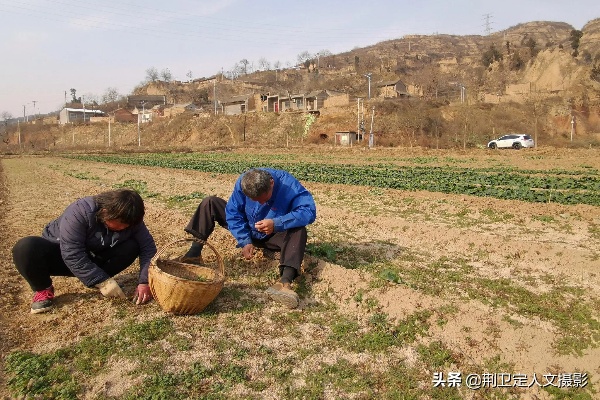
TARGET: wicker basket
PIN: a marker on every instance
(183, 288)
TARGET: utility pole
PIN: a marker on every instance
(463, 93)
(535, 125)
(371, 138)
(139, 139)
(143, 112)
(244, 127)
(368, 76)
(34, 101)
(572, 126)
(358, 119)
(19, 130)
(215, 93)
(24, 116)
(109, 118)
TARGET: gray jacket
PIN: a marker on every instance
(79, 234)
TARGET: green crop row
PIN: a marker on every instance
(534, 186)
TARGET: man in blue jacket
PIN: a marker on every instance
(269, 209)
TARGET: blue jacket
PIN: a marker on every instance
(290, 206)
(78, 232)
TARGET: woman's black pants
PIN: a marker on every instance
(38, 259)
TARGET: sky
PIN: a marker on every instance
(49, 47)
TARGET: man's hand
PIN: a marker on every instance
(110, 288)
(248, 251)
(142, 294)
(266, 226)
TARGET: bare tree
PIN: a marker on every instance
(90, 98)
(244, 66)
(152, 74)
(110, 95)
(189, 75)
(304, 57)
(263, 64)
(237, 70)
(230, 74)
(5, 115)
(166, 76)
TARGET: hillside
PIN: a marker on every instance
(537, 65)
(528, 78)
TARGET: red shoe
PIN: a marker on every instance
(42, 300)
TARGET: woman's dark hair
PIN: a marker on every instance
(125, 205)
(256, 182)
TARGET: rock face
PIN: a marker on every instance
(590, 41)
(546, 34)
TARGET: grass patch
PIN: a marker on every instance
(548, 219)
(177, 200)
(494, 216)
(139, 186)
(340, 377)
(379, 333)
(243, 301)
(351, 257)
(55, 375)
(566, 307)
(82, 176)
(199, 381)
(594, 230)
(40, 376)
(436, 355)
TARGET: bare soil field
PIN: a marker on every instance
(400, 291)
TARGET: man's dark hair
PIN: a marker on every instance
(124, 205)
(256, 182)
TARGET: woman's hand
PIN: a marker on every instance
(142, 294)
(110, 288)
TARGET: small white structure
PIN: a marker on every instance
(144, 115)
(73, 115)
(346, 138)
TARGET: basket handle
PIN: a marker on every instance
(203, 242)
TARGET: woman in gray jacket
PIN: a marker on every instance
(95, 238)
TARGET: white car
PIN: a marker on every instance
(513, 140)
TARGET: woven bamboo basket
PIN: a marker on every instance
(182, 288)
